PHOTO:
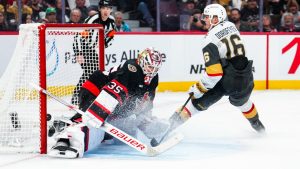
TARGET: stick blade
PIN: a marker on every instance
(166, 145)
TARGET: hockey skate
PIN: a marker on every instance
(69, 143)
(258, 126)
(62, 149)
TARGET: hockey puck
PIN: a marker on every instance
(154, 142)
(49, 117)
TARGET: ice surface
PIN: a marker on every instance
(219, 138)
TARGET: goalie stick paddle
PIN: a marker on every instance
(154, 142)
(119, 134)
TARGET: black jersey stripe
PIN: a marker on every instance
(99, 110)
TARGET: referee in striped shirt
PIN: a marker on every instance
(85, 45)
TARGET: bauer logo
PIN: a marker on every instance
(127, 139)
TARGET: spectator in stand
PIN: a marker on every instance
(59, 11)
(121, 26)
(250, 15)
(239, 4)
(169, 16)
(288, 23)
(293, 7)
(49, 3)
(92, 10)
(186, 18)
(235, 17)
(13, 14)
(72, 3)
(188, 7)
(195, 23)
(276, 7)
(36, 7)
(80, 4)
(75, 16)
(3, 23)
(50, 16)
(1, 8)
(267, 24)
(27, 18)
(225, 4)
(144, 7)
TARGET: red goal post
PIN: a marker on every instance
(47, 55)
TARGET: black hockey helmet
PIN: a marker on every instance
(105, 3)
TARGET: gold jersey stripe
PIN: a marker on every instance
(215, 69)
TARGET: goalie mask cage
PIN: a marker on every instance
(46, 55)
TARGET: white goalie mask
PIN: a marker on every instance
(150, 61)
(213, 10)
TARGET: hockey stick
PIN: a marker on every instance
(154, 142)
(119, 134)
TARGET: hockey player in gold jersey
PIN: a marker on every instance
(228, 71)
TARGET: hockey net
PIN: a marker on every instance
(44, 55)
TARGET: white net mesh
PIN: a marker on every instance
(66, 48)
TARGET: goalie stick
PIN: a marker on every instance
(121, 135)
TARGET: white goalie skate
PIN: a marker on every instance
(70, 143)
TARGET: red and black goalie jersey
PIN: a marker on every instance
(122, 90)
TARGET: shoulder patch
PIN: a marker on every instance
(132, 68)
